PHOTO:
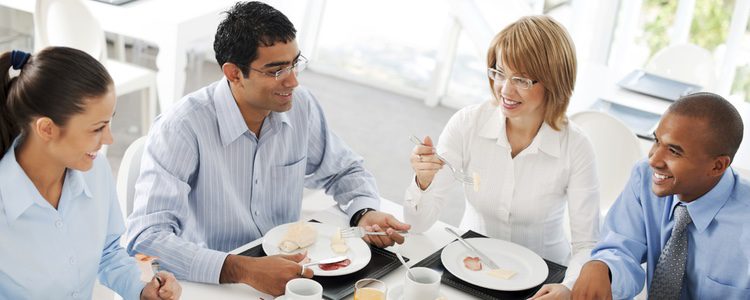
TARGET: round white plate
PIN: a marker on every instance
(529, 267)
(359, 253)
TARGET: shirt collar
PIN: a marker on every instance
(494, 125)
(547, 139)
(15, 186)
(18, 193)
(76, 183)
(231, 123)
(704, 209)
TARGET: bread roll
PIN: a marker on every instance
(299, 235)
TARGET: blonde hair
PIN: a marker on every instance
(539, 47)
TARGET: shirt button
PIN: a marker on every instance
(75, 294)
(72, 260)
(256, 181)
(257, 213)
(59, 223)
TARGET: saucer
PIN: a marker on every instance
(397, 293)
(283, 297)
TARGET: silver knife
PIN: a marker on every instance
(481, 255)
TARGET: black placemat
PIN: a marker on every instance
(556, 275)
(338, 287)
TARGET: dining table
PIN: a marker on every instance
(416, 247)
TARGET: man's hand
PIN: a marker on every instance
(593, 283)
(169, 289)
(552, 291)
(266, 274)
(380, 221)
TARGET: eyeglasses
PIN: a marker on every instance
(518, 82)
(299, 65)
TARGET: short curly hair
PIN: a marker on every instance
(250, 25)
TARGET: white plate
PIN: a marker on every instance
(529, 267)
(359, 253)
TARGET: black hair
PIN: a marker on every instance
(54, 83)
(724, 121)
(250, 25)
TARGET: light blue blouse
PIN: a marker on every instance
(57, 254)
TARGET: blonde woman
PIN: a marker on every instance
(530, 161)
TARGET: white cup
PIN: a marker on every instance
(424, 285)
(303, 289)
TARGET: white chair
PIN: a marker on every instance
(70, 23)
(130, 167)
(685, 62)
(616, 149)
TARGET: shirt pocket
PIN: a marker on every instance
(286, 186)
(713, 289)
(290, 173)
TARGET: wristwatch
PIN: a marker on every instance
(358, 216)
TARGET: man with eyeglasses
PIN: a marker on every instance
(229, 162)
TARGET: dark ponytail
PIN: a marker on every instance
(54, 83)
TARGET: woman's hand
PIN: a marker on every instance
(169, 289)
(552, 291)
(424, 163)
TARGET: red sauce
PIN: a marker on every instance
(335, 266)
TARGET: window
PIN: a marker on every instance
(741, 84)
(468, 82)
(388, 43)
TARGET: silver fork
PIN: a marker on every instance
(359, 232)
(458, 174)
(155, 270)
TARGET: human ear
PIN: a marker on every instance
(232, 72)
(45, 128)
(720, 164)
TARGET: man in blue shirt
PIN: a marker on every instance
(688, 181)
(229, 162)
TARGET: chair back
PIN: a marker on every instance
(685, 62)
(617, 149)
(68, 23)
(130, 168)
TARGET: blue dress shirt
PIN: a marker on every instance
(48, 253)
(208, 185)
(639, 224)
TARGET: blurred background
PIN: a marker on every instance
(386, 69)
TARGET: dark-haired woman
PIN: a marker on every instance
(60, 223)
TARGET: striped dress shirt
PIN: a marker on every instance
(209, 185)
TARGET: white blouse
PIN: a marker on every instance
(519, 199)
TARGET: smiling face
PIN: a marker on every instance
(78, 142)
(680, 160)
(515, 101)
(264, 93)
